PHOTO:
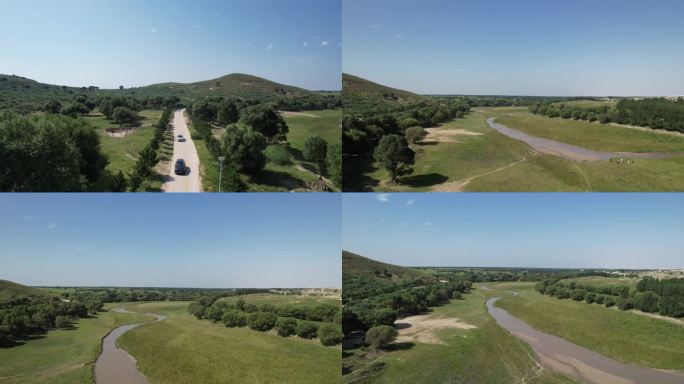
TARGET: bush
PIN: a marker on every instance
(625, 304)
(646, 301)
(379, 336)
(609, 301)
(234, 318)
(414, 134)
(286, 326)
(307, 330)
(329, 334)
(261, 321)
(62, 322)
(277, 154)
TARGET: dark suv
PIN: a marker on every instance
(180, 167)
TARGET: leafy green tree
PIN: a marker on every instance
(381, 335)
(261, 321)
(394, 155)
(334, 163)
(228, 112)
(123, 115)
(52, 106)
(265, 119)
(330, 334)
(306, 330)
(414, 134)
(234, 318)
(316, 151)
(62, 322)
(286, 326)
(244, 148)
(647, 301)
(204, 110)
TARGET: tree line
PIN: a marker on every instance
(665, 297)
(657, 113)
(287, 319)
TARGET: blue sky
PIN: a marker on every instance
(132, 43)
(528, 47)
(570, 230)
(184, 240)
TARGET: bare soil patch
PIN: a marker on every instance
(119, 132)
(440, 135)
(290, 113)
(423, 328)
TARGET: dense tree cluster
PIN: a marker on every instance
(48, 153)
(24, 316)
(301, 319)
(651, 295)
(658, 113)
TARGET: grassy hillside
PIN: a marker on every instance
(10, 289)
(358, 267)
(361, 95)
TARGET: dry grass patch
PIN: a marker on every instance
(423, 328)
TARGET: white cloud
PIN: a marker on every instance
(269, 46)
(154, 30)
(52, 226)
(410, 202)
(324, 43)
(305, 44)
(382, 197)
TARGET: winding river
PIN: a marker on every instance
(568, 151)
(579, 362)
(116, 366)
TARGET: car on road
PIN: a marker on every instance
(181, 139)
(179, 135)
(180, 167)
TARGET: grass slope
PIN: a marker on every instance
(325, 124)
(360, 94)
(9, 289)
(359, 267)
(182, 349)
(61, 356)
(624, 336)
(487, 354)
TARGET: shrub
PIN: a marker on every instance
(379, 336)
(609, 301)
(329, 334)
(261, 321)
(414, 134)
(286, 326)
(62, 322)
(625, 304)
(646, 301)
(234, 318)
(277, 154)
(306, 330)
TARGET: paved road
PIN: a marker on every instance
(568, 151)
(190, 182)
(114, 365)
(574, 360)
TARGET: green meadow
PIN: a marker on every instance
(624, 336)
(62, 356)
(183, 349)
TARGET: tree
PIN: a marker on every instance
(121, 87)
(261, 321)
(204, 110)
(414, 134)
(244, 148)
(625, 303)
(62, 322)
(379, 336)
(75, 109)
(119, 183)
(234, 318)
(316, 151)
(329, 334)
(394, 155)
(123, 115)
(228, 112)
(646, 301)
(52, 106)
(286, 326)
(385, 316)
(334, 163)
(307, 330)
(265, 119)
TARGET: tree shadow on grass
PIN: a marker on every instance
(277, 179)
(401, 346)
(426, 180)
(355, 170)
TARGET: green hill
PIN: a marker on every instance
(360, 95)
(358, 267)
(9, 290)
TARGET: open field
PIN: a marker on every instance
(305, 124)
(184, 349)
(626, 337)
(605, 281)
(62, 356)
(494, 162)
(587, 103)
(483, 354)
(267, 298)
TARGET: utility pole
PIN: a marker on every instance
(221, 159)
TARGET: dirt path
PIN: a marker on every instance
(424, 328)
(459, 186)
(190, 182)
(574, 360)
(114, 365)
(568, 151)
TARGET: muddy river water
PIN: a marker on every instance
(116, 366)
(582, 363)
(568, 151)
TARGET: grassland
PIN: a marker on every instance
(624, 336)
(61, 356)
(267, 298)
(305, 124)
(587, 103)
(486, 354)
(493, 162)
(630, 282)
(182, 349)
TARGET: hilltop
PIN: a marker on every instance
(360, 95)
(9, 290)
(358, 267)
